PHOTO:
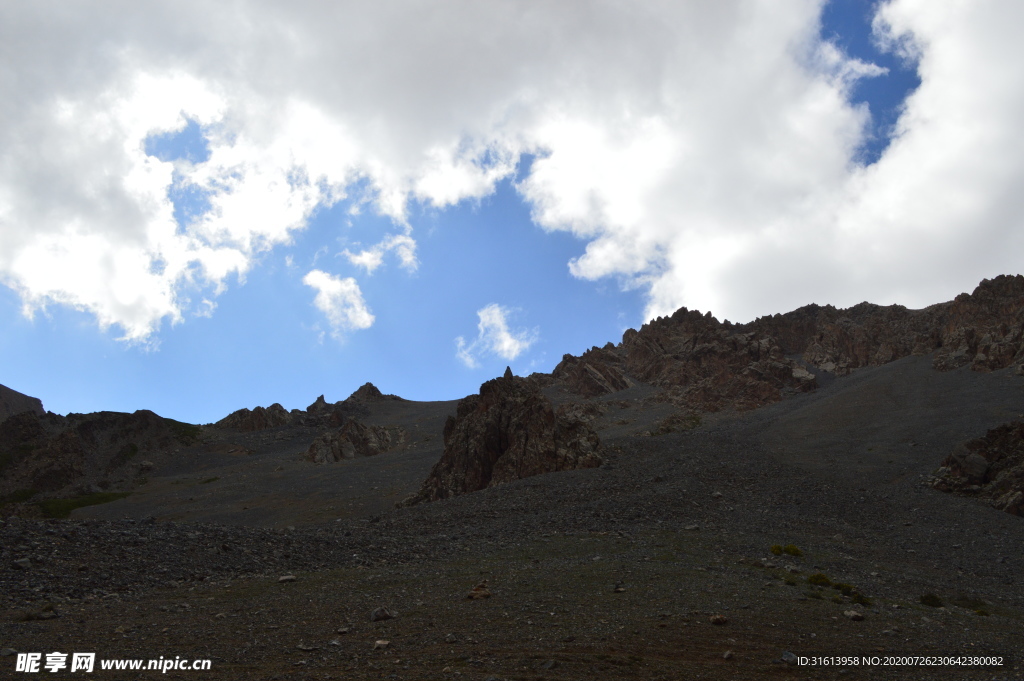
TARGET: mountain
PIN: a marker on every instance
(699, 500)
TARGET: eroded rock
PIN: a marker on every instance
(507, 432)
(354, 439)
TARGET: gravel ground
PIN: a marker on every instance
(616, 572)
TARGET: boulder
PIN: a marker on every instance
(510, 430)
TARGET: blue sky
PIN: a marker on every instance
(192, 228)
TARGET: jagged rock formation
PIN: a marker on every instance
(257, 419)
(12, 402)
(507, 432)
(705, 365)
(50, 453)
(318, 406)
(989, 467)
(352, 440)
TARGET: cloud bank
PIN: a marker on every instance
(702, 151)
(494, 338)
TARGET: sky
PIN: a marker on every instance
(209, 206)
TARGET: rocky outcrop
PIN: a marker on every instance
(597, 372)
(989, 467)
(507, 432)
(12, 402)
(257, 419)
(705, 365)
(352, 440)
(50, 453)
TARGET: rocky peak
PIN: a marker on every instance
(367, 392)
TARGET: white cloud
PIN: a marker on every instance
(371, 258)
(701, 150)
(494, 338)
(340, 300)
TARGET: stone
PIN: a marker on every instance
(7, 652)
(727, 655)
(451, 638)
(480, 591)
(382, 613)
(854, 615)
(286, 578)
(381, 644)
(507, 432)
(23, 563)
(789, 658)
(719, 619)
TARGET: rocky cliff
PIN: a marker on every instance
(12, 402)
(510, 430)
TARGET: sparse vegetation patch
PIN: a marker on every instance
(62, 508)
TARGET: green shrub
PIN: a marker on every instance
(837, 599)
(931, 600)
(62, 508)
(776, 549)
(862, 599)
(981, 613)
(818, 579)
(792, 550)
(815, 594)
(846, 589)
